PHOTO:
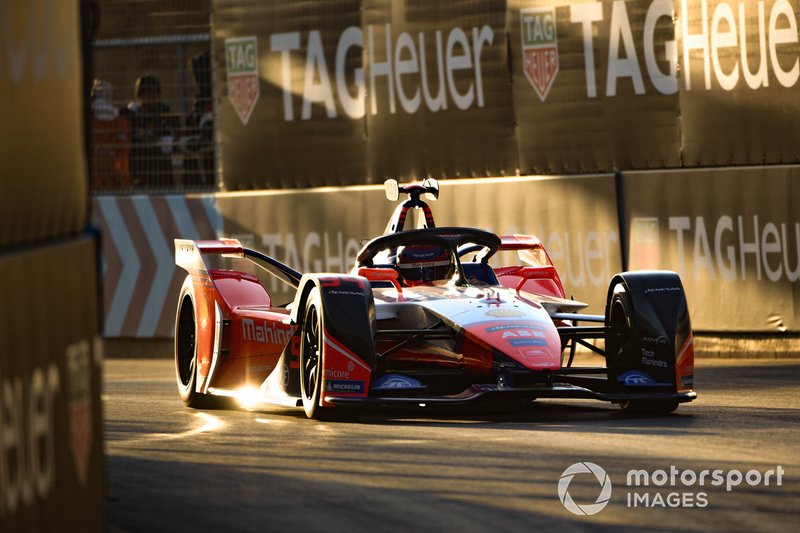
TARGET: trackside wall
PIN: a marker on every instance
(733, 235)
(52, 468)
(50, 378)
(141, 281)
(668, 130)
(323, 230)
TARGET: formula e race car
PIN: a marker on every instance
(423, 320)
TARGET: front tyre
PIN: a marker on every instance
(311, 364)
(311, 356)
(619, 339)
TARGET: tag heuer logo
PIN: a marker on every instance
(539, 48)
(241, 56)
(645, 245)
(79, 368)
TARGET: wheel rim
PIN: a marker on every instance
(311, 353)
(186, 343)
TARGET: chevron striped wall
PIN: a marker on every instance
(140, 279)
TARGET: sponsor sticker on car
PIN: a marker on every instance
(344, 386)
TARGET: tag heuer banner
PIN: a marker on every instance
(732, 234)
(356, 91)
(327, 233)
(52, 468)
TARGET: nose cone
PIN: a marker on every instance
(497, 320)
(524, 332)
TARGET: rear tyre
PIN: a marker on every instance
(185, 347)
(311, 366)
(186, 355)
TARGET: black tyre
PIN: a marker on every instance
(311, 356)
(311, 364)
(186, 355)
(619, 340)
(185, 346)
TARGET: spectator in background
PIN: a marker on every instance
(198, 139)
(110, 142)
(152, 136)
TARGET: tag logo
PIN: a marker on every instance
(241, 56)
(79, 368)
(539, 48)
(645, 245)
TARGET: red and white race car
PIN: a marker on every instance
(423, 319)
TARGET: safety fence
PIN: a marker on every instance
(153, 101)
(348, 92)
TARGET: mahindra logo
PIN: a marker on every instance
(263, 332)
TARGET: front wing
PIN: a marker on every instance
(557, 389)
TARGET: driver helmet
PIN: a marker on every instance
(425, 263)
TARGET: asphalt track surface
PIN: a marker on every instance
(175, 469)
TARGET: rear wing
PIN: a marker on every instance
(539, 276)
(529, 248)
(519, 242)
(189, 256)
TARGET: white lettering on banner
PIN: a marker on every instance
(406, 66)
(627, 67)
(760, 78)
(353, 105)
(315, 65)
(774, 250)
(724, 39)
(696, 42)
(586, 14)
(285, 43)
(585, 257)
(321, 252)
(405, 69)
(714, 43)
(27, 461)
(664, 83)
(783, 36)
(580, 258)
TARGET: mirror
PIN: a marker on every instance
(392, 192)
(433, 188)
